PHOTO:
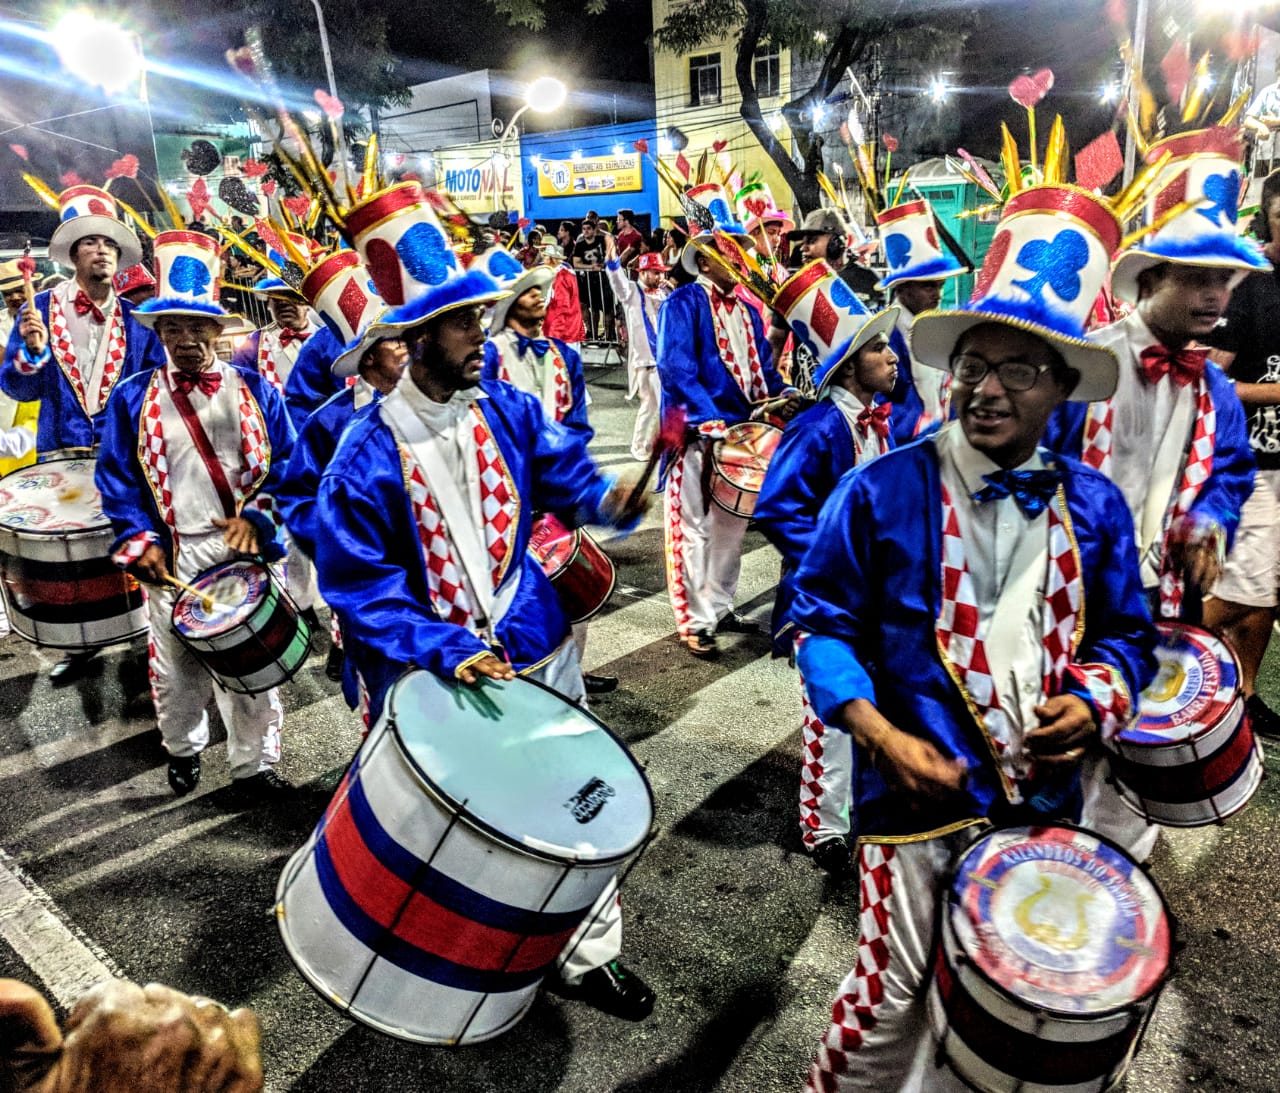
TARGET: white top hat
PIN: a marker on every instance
(91, 210)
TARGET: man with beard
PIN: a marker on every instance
(848, 427)
(956, 573)
(80, 340)
(427, 507)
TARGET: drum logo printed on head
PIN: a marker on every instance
(589, 800)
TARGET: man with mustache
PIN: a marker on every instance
(1173, 437)
(80, 340)
(934, 600)
(427, 507)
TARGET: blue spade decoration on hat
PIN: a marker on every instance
(897, 250)
(189, 276)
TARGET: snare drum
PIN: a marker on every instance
(738, 465)
(252, 638)
(62, 588)
(1191, 758)
(1052, 948)
(471, 836)
(579, 571)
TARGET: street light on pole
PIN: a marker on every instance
(543, 95)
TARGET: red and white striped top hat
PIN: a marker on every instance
(91, 210)
(912, 248)
(187, 265)
(402, 243)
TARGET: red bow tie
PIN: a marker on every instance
(85, 306)
(875, 418)
(728, 301)
(1182, 366)
(287, 336)
(208, 382)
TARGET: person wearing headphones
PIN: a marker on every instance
(823, 234)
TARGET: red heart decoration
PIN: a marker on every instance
(719, 146)
(1026, 91)
(299, 205)
(523, 222)
(99, 208)
(124, 167)
(991, 264)
(72, 179)
(332, 107)
(268, 186)
(641, 146)
(890, 143)
(254, 168)
(931, 237)
(383, 264)
(19, 150)
(198, 198)
(755, 205)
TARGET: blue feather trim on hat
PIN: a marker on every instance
(473, 287)
(934, 269)
(1212, 250)
(164, 304)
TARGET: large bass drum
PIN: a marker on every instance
(472, 835)
(59, 581)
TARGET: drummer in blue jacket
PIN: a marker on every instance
(191, 455)
(973, 617)
(427, 508)
(81, 339)
(847, 427)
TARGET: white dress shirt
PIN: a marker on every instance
(850, 406)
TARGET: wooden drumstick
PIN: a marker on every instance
(206, 601)
(27, 267)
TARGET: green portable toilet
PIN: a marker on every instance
(950, 194)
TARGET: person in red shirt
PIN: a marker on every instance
(628, 239)
(564, 312)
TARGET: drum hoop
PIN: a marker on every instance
(613, 583)
(577, 550)
(464, 815)
(271, 581)
(1153, 992)
(61, 455)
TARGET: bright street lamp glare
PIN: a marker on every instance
(546, 93)
(938, 89)
(96, 51)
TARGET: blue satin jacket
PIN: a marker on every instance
(815, 452)
(576, 418)
(869, 592)
(369, 558)
(64, 422)
(689, 365)
(127, 499)
(312, 381)
(1231, 481)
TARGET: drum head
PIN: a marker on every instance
(1059, 920)
(51, 498)
(520, 761)
(744, 453)
(1193, 691)
(552, 543)
(237, 589)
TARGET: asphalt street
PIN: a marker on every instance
(744, 940)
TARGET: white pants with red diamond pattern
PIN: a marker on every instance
(879, 1040)
(826, 777)
(704, 547)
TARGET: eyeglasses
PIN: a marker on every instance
(970, 369)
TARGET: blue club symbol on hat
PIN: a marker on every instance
(1055, 263)
(425, 255)
(504, 267)
(189, 276)
(1223, 190)
(897, 249)
(719, 209)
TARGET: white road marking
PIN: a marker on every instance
(66, 961)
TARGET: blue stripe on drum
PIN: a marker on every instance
(443, 889)
(404, 955)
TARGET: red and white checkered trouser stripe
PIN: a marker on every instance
(878, 1020)
(672, 500)
(826, 762)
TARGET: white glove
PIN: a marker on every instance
(16, 442)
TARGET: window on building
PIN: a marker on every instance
(704, 79)
(768, 73)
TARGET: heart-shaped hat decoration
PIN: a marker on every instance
(1028, 91)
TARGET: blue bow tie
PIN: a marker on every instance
(540, 346)
(1030, 490)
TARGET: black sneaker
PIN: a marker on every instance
(733, 623)
(264, 786)
(184, 774)
(1265, 720)
(333, 663)
(702, 643)
(614, 990)
(71, 667)
(834, 855)
(599, 685)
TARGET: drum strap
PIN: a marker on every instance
(203, 445)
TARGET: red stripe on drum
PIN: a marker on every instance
(421, 922)
(1189, 782)
(105, 586)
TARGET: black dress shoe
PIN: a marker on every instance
(599, 685)
(834, 855)
(71, 667)
(614, 990)
(1265, 720)
(184, 774)
(264, 786)
(334, 661)
(702, 643)
(733, 623)
(313, 620)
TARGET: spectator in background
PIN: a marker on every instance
(564, 309)
(597, 296)
(239, 274)
(627, 238)
(566, 237)
(15, 296)
(530, 254)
